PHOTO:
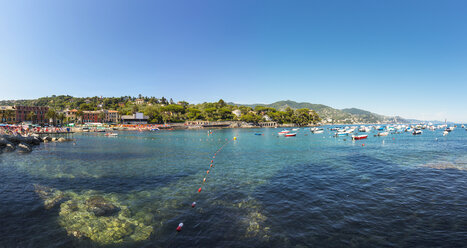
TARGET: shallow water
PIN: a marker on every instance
(263, 191)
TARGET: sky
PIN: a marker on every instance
(406, 58)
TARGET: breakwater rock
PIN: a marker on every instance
(24, 144)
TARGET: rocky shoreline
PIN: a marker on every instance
(24, 144)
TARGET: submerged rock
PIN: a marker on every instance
(100, 206)
(9, 147)
(101, 219)
(50, 196)
(24, 148)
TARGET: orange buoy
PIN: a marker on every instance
(363, 144)
(193, 204)
(207, 172)
(211, 165)
(204, 180)
(199, 190)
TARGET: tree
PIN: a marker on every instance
(225, 113)
(31, 116)
(101, 116)
(79, 115)
(61, 117)
(251, 118)
(51, 114)
(193, 114)
(221, 103)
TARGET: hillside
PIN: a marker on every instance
(329, 114)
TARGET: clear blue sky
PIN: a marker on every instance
(405, 58)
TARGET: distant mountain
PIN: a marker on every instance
(329, 114)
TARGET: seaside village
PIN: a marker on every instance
(24, 126)
(39, 117)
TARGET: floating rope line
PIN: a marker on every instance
(193, 204)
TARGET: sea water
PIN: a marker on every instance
(262, 191)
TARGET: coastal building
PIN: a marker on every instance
(33, 114)
(101, 116)
(139, 101)
(71, 115)
(135, 119)
(196, 123)
(268, 124)
(110, 116)
(7, 114)
(91, 116)
(237, 112)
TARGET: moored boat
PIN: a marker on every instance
(417, 132)
(383, 134)
(290, 134)
(359, 137)
(340, 134)
(284, 132)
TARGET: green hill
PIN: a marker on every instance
(348, 115)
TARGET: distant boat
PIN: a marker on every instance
(155, 129)
(316, 130)
(359, 137)
(340, 134)
(290, 134)
(417, 132)
(364, 129)
(111, 134)
(295, 129)
(258, 134)
(383, 134)
(445, 133)
(284, 132)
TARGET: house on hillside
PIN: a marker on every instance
(237, 112)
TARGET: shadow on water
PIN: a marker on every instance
(112, 184)
(376, 203)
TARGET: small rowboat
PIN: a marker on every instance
(258, 134)
(290, 134)
(111, 134)
(383, 134)
(359, 137)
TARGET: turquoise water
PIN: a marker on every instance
(263, 191)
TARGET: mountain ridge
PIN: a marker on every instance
(332, 115)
